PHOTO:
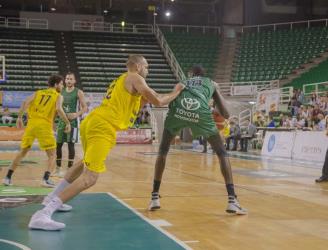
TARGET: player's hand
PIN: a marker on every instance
(71, 116)
(179, 87)
(19, 122)
(68, 128)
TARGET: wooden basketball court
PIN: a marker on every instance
(287, 210)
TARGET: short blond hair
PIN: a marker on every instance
(134, 59)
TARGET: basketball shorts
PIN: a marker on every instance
(67, 137)
(174, 126)
(98, 137)
(40, 130)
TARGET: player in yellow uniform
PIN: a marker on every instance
(41, 109)
(117, 111)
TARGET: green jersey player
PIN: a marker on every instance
(191, 110)
(74, 106)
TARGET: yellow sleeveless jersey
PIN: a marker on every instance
(119, 107)
(44, 105)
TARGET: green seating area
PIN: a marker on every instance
(271, 55)
(190, 49)
(314, 75)
(101, 57)
(30, 58)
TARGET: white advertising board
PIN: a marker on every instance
(310, 146)
(278, 144)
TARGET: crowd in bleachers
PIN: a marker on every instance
(303, 112)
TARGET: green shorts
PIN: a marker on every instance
(62, 137)
(204, 127)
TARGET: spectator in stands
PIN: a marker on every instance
(234, 134)
(260, 121)
(323, 105)
(321, 123)
(145, 117)
(324, 176)
(315, 112)
(282, 119)
(255, 116)
(314, 99)
(300, 122)
(301, 97)
(6, 116)
(248, 134)
(271, 124)
(294, 106)
(304, 112)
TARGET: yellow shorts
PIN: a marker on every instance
(98, 137)
(40, 130)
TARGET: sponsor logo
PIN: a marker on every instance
(190, 104)
(311, 150)
(186, 115)
(271, 143)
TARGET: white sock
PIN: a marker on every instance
(59, 188)
(52, 206)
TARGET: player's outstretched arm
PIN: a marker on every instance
(61, 113)
(220, 104)
(24, 106)
(154, 98)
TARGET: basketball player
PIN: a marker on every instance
(73, 99)
(41, 109)
(191, 109)
(117, 111)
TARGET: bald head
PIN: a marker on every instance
(137, 63)
(134, 59)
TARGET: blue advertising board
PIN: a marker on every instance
(14, 99)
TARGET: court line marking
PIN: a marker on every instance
(16, 244)
(15, 200)
(161, 223)
(191, 241)
(169, 235)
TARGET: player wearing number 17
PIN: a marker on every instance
(41, 109)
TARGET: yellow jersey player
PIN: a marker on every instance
(41, 110)
(117, 111)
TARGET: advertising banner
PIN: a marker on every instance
(14, 99)
(278, 144)
(268, 100)
(11, 134)
(93, 100)
(310, 146)
(134, 136)
(244, 90)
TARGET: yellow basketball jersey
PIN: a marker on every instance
(44, 105)
(119, 107)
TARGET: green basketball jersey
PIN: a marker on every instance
(191, 108)
(193, 103)
(70, 105)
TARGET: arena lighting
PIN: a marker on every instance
(167, 13)
(172, 0)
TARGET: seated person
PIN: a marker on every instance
(6, 116)
(234, 135)
(248, 134)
